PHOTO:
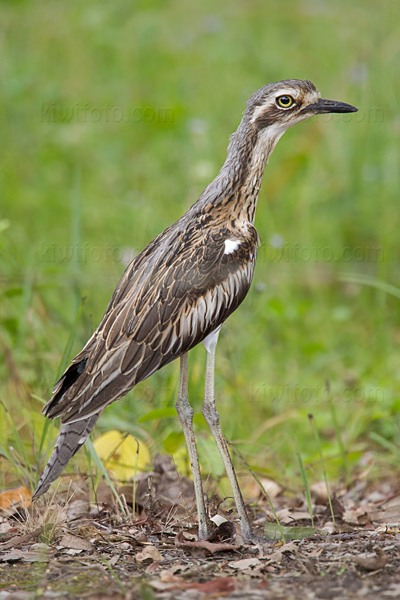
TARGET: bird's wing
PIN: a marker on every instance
(165, 304)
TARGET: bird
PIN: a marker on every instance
(178, 292)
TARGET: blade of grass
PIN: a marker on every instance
(68, 347)
(343, 452)
(93, 482)
(318, 442)
(304, 479)
(103, 470)
(242, 458)
(49, 425)
(134, 478)
(385, 443)
(26, 299)
(370, 281)
(113, 573)
(47, 430)
(20, 462)
(76, 232)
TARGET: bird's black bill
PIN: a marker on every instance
(331, 106)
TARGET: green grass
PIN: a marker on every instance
(114, 117)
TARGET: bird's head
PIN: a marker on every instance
(277, 106)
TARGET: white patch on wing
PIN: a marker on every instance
(231, 246)
(211, 339)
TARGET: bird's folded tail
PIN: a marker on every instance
(71, 437)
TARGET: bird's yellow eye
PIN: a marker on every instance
(285, 101)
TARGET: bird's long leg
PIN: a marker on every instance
(212, 417)
(185, 412)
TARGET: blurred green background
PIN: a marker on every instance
(114, 117)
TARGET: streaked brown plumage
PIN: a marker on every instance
(180, 289)
(161, 309)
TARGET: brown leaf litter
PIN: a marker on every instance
(79, 549)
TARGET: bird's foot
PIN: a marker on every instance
(250, 538)
(206, 529)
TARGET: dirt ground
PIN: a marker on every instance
(76, 548)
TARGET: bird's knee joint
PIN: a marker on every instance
(184, 410)
(211, 416)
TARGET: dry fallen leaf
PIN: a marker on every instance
(274, 557)
(74, 542)
(215, 587)
(319, 492)
(39, 554)
(11, 498)
(148, 553)
(209, 547)
(372, 563)
(360, 515)
(107, 596)
(19, 540)
(272, 488)
(163, 585)
(218, 585)
(245, 563)
(315, 553)
(277, 555)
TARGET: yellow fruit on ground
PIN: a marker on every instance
(118, 453)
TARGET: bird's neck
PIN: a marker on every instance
(234, 192)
